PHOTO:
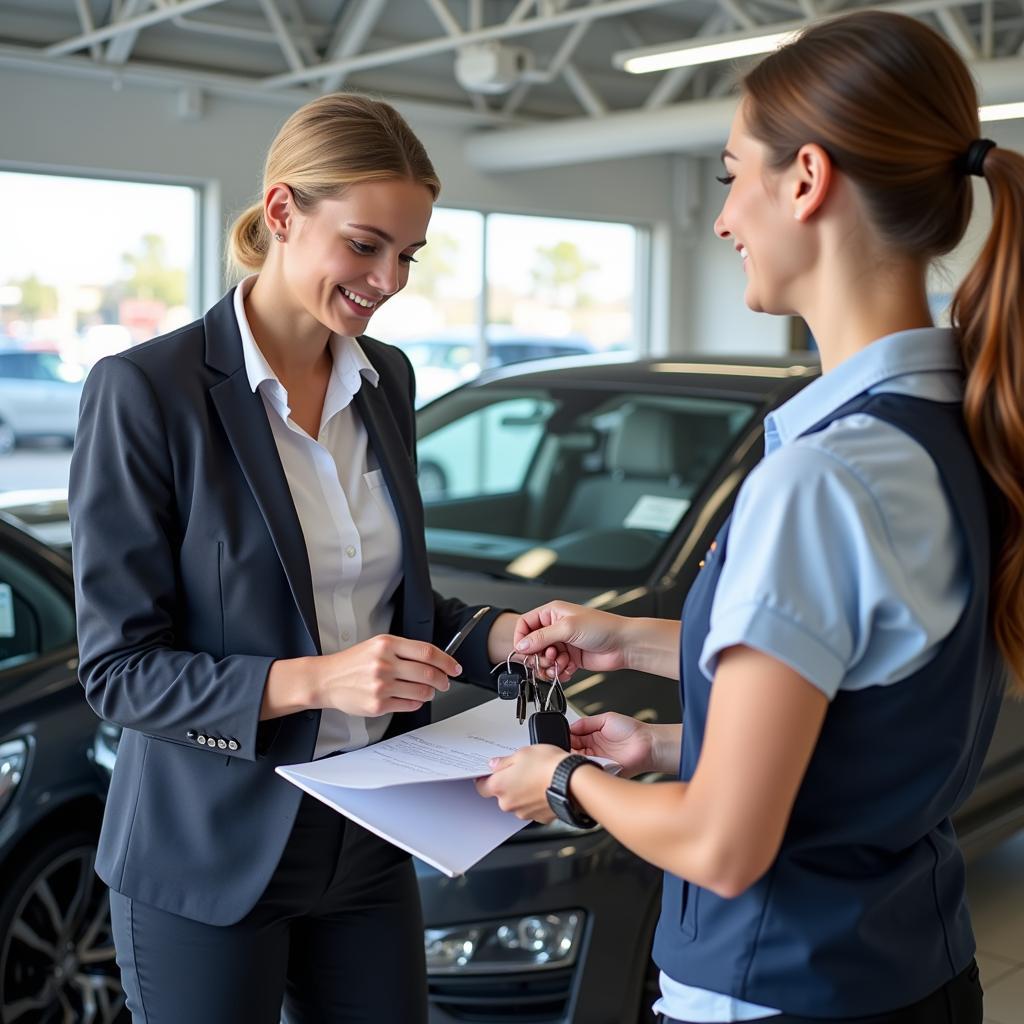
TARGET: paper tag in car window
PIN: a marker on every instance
(6, 611)
(654, 513)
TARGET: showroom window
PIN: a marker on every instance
(99, 265)
(494, 289)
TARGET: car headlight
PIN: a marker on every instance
(13, 757)
(530, 943)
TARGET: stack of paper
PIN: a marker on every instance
(417, 790)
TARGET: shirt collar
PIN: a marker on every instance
(921, 350)
(351, 364)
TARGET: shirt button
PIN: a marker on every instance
(201, 740)
(346, 636)
(350, 551)
(222, 744)
(232, 744)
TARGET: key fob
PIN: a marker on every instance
(508, 685)
(550, 727)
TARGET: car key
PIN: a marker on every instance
(509, 684)
(550, 727)
(521, 701)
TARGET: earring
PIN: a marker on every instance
(279, 236)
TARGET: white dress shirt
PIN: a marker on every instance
(345, 511)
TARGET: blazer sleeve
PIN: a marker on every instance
(125, 542)
(449, 612)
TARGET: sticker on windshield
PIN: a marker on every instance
(6, 611)
(653, 513)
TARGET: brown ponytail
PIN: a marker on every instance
(988, 310)
(896, 109)
(330, 143)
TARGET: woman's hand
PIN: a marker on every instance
(619, 738)
(520, 781)
(380, 676)
(573, 636)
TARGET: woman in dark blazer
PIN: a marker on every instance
(253, 590)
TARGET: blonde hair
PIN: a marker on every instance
(330, 143)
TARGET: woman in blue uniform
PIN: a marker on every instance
(845, 648)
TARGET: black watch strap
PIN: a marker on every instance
(559, 800)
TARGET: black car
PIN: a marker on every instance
(602, 484)
(56, 952)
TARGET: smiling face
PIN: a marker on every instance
(760, 218)
(344, 258)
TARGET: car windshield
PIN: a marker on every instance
(38, 366)
(574, 485)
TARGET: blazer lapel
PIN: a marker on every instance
(248, 430)
(387, 444)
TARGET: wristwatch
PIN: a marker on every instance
(559, 800)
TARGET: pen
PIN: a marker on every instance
(456, 641)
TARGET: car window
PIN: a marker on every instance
(570, 484)
(35, 617)
(13, 366)
(486, 451)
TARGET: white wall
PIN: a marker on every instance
(716, 319)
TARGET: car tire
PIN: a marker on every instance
(433, 481)
(8, 439)
(56, 949)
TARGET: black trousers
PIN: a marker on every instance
(957, 1002)
(336, 937)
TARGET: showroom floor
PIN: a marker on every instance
(996, 889)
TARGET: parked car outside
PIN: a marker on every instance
(39, 396)
(623, 474)
(444, 361)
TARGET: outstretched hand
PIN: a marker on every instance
(573, 636)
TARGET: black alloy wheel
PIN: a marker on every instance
(57, 963)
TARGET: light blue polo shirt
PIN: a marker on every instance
(845, 561)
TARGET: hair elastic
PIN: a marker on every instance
(974, 158)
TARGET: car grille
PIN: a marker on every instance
(504, 999)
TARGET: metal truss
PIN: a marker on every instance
(305, 47)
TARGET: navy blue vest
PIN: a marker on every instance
(863, 910)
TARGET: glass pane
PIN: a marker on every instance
(34, 617)
(434, 318)
(98, 266)
(559, 287)
(486, 451)
(573, 485)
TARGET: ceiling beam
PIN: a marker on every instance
(696, 127)
(101, 35)
(357, 21)
(444, 44)
(120, 46)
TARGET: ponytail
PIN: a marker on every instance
(988, 312)
(248, 241)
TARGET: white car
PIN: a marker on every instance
(39, 396)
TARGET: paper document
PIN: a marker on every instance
(417, 790)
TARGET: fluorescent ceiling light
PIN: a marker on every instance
(1001, 112)
(639, 62)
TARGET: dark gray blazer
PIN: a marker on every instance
(191, 576)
